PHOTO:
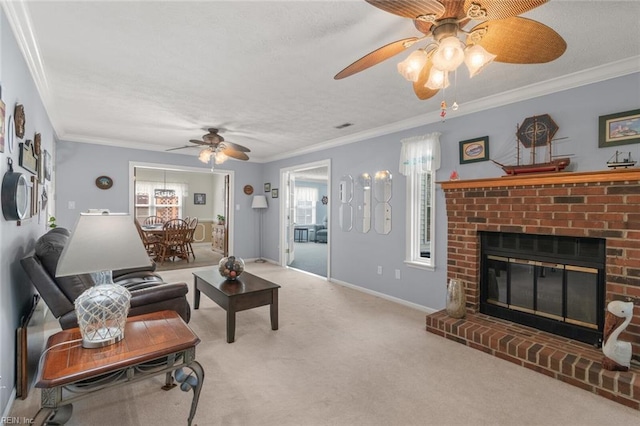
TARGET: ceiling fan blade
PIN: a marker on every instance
(519, 40)
(410, 9)
(198, 142)
(421, 91)
(500, 9)
(235, 146)
(377, 56)
(229, 152)
(180, 147)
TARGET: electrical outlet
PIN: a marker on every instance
(397, 274)
(379, 270)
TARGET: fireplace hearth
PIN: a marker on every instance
(599, 207)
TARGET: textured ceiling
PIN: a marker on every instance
(153, 75)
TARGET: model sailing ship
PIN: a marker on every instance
(536, 132)
(621, 159)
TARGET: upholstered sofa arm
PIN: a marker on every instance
(158, 293)
(133, 272)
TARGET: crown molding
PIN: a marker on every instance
(620, 68)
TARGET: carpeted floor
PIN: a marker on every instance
(341, 357)
(204, 257)
(311, 257)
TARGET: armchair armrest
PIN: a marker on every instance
(140, 271)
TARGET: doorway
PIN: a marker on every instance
(305, 222)
(191, 192)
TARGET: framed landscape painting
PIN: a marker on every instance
(619, 129)
(474, 150)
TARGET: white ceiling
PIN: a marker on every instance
(152, 75)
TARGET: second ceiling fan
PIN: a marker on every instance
(215, 146)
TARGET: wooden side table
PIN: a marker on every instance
(155, 343)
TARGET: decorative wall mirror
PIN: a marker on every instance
(345, 195)
(362, 199)
(382, 189)
(15, 194)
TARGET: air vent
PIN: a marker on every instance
(342, 126)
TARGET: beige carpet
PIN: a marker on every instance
(341, 357)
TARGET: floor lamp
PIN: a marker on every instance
(259, 202)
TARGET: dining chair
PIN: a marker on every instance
(153, 220)
(190, 238)
(150, 241)
(175, 233)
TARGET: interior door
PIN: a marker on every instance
(290, 206)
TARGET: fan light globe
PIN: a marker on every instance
(449, 54)
(477, 58)
(205, 155)
(410, 68)
(220, 157)
(438, 79)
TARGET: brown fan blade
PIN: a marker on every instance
(410, 9)
(375, 57)
(500, 9)
(235, 146)
(453, 9)
(421, 91)
(519, 40)
(229, 152)
(180, 147)
(196, 141)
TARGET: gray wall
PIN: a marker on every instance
(16, 241)
(575, 111)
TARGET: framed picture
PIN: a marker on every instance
(28, 159)
(48, 166)
(474, 150)
(2, 130)
(619, 129)
(199, 198)
(274, 193)
(267, 187)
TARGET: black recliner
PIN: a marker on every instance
(148, 291)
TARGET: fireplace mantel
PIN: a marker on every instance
(534, 179)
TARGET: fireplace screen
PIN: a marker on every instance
(522, 284)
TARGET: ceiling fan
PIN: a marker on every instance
(215, 146)
(501, 36)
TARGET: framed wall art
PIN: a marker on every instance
(274, 193)
(28, 159)
(199, 198)
(19, 120)
(48, 165)
(619, 129)
(474, 150)
(267, 187)
(2, 129)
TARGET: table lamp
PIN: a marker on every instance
(98, 244)
(259, 202)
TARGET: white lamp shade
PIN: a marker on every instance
(259, 202)
(410, 68)
(476, 58)
(101, 242)
(449, 54)
(438, 79)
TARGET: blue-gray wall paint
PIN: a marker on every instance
(16, 241)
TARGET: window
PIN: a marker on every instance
(306, 200)
(420, 241)
(419, 160)
(159, 199)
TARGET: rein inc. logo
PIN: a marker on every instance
(15, 421)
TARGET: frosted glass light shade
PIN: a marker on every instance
(477, 58)
(220, 157)
(205, 155)
(438, 79)
(410, 68)
(449, 54)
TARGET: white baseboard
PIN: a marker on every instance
(424, 309)
(7, 408)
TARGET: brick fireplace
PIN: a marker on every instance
(601, 204)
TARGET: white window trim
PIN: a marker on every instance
(412, 240)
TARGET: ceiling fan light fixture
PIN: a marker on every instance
(410, 68)
(438, 79)
(477, 58)
(449, 54)
(219, 157)
(205, 155)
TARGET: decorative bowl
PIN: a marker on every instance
(231, 267)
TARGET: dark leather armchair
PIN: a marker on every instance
(148, 292)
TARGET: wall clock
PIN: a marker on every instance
(104, 182)
(248, 189)
(15, 194)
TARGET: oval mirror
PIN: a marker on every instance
(345, 189)
(382, 186)
(346, 217)
(382, 218)
(362, 198)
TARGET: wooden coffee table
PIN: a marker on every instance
(246, 292)
(155, 343)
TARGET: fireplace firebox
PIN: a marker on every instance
(552, 283)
